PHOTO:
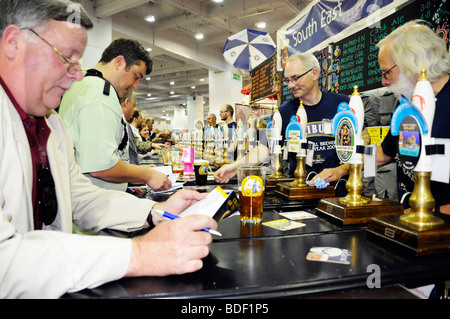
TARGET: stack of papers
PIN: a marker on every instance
(172, 177)
(217, 205)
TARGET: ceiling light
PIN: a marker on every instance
(202, 79)
(148, 78)
(199, 36)
(260, 24)
(149, 94)
(172, 92)
(193, 87)
(149, 49)
(172, 83)
(150, 18)
(218, 1)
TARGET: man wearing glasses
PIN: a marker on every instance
(402, 55)
(302, 75)
(42, 190)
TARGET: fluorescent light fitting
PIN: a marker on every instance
(150, 18)
(172, 83)
(199, 36)
(260, 25)
(218, 1)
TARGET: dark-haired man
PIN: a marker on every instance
(91, 111)
(226, 115)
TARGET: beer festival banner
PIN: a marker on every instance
(350, 57)
(324, 19)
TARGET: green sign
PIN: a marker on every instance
(235, 76)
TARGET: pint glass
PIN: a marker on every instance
(201, 172)
(251, 183)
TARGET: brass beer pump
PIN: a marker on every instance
(355, 184)
(300, 173)
(421, 230)
(422, 203)
(277, 167)
(354, 208)
(298, 189)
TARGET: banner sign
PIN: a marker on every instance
(327, 18)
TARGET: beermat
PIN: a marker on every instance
(298, 215)
(283, 224)
(217, 205)
(330, 255)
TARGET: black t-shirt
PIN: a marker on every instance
(325, 155)
(325, 151)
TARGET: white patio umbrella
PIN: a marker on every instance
(248, 48)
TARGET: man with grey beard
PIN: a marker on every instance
(402, 55)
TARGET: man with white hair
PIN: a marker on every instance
(402, 55)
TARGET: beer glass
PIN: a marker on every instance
(201, 172)
(251, 184)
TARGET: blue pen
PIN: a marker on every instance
(167, 215)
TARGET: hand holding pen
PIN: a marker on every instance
(170, 216)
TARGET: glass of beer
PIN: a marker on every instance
(201, 172)
(177, 164)
(251, 184)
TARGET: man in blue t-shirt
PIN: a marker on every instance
(402, 55)
(302, 74)
(226, 115)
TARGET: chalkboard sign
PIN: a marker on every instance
(264, 80)
(356, 57)
(285, 93)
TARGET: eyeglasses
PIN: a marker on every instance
(385, 74)
(47, 203)
(295, 78)
(73, 67)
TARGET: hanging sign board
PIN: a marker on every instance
(264, 80)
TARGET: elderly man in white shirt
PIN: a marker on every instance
(42, 191)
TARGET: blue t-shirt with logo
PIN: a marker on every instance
(324, 150)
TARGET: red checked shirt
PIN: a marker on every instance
(37, 132)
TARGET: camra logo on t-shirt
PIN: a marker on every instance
(318, 159)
